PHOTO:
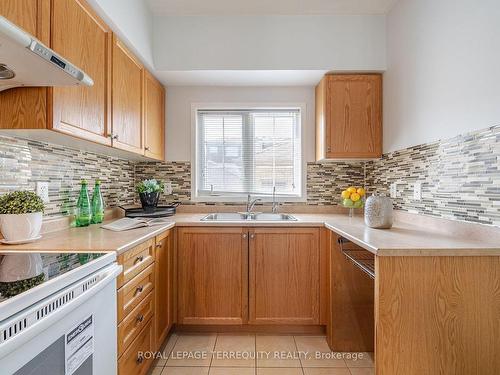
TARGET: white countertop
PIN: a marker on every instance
(404, 239)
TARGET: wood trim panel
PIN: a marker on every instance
(134, 322)
(284, 276)
(324, 275)
(212, 275)
(321, 113)
(135, 291)
(266, 329)
(437, 315)
(134, 261)
(351, 326)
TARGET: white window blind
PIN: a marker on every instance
(248, 151)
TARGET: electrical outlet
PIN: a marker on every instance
(417, 191)
(167, 188)
(393, 190)
(42, 190)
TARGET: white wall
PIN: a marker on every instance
(132, 21)
(179, 100)
(269, 42)
(443, 70)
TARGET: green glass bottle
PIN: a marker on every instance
(97, 204)
(83, 210)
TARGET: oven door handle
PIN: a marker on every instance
(41, 325)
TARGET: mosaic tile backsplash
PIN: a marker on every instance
(325, 181)
(460, 177)
(24, 162)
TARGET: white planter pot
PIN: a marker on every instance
(21, 227)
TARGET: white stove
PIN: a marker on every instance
(66, 325)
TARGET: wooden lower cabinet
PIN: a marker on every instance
(133, 362)
(234, 275)
(145, 301)
(212, 275)
(284, 276)
(164, 278)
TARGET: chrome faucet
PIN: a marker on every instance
(251, 203)
(276, 204)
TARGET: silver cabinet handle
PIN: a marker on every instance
(252, 236)
(244, 235)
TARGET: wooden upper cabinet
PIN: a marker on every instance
(81, 37)
(212, 275)
(349, 116)
(128, 130)
(22, 108)
(154, 118)
(284, 282)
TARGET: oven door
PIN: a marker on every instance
(78, 338)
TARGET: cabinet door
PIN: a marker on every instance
(354, 116)
(154, 118)
(80, 36)
(284, 276)
(212, 275)
(127, 99)
(164, 271)
(26, 108)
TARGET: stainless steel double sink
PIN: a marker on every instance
(248, 216)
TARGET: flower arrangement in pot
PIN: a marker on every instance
(21, 215)
(149, 193)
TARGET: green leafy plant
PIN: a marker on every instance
(20, 202)
(150, 186)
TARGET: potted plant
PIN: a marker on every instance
(149, 193)
(21, 216)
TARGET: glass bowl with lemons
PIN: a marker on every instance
(353, 197)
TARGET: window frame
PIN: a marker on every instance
(234, 197)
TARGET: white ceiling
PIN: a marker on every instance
(269, 7)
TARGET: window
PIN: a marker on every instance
(251, 151)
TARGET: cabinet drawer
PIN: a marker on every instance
(134, 261)
(134, 322)
(133, 292)
(132, 362)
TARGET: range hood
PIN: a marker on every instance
(25, 61)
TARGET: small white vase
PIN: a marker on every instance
(21, 227)
(16, 267)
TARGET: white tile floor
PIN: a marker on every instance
(242, 354)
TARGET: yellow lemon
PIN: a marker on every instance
(351, 190)
(346, 194)
(355, 197)
(361, 191)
